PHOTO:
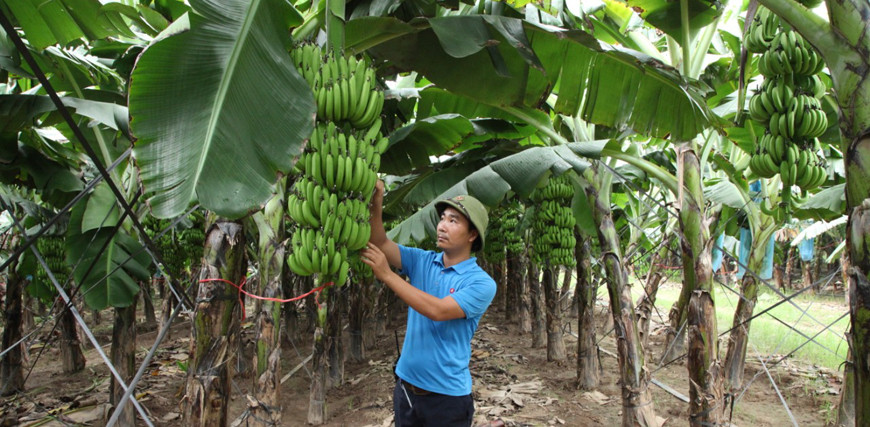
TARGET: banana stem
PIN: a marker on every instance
(651, 169)
(543, 128)
(687, 38)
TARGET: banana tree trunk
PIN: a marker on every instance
(320, 360)
(73, 359)
(293, 285)
(536, 297)
(215, 331)
(148, 304)
(512, 280)
(382, 301)
(807, 278)
(675, 338)
(735, 357)
(123, 355)
(518, 272)
(637, 404)
(335, 345)
(555, 342)
(647, 302)
(166, 305)
(779, 277)
(11, 375)
(359, 310)
(858, 240)
(705, 390)
(565, 302)
(369, 331)
(267, 355)
(846, 407)
(498, 273)
(588, 367)
(789, 267)
(27, 321)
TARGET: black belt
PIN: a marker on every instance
(414, 389)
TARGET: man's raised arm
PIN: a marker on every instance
(379, 234)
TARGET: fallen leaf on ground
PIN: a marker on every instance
(597, 397)
(356, 380)
(479, 354)
(170, 416)
(88, 415)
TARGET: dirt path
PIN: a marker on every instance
(512, 383)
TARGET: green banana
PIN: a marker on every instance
(372, 110)
(352, 146)
(362, 101)
(330, 171)
(346, 229)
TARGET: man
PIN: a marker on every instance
(447, 294)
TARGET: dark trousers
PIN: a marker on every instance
(414, 407)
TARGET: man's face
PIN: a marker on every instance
(454, 230)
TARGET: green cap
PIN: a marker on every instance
(473, 210)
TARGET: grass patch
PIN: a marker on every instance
(779, 331)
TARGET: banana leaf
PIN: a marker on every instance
(218, 108)
(519, 173)
(50, 22)
(108, 278)
(517, 64)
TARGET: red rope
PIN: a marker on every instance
(241, 289)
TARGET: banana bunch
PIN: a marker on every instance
(761, 31)
(495, 251)
(553, 225)
(505, 233)
(789, 54)
(559, 190)
(313, 251)
(359, 269)
(345, 88)
(192, 242)
(513, 238)
(788, 106)
(344, 161)
(52, 251)
(339, 167)
(797, 166)
(347, 220)
(180, 248)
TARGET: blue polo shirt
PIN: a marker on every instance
(435, 355)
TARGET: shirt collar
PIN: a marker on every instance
(460, 268)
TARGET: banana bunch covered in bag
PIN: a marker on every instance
(553, 241)
(329, 203)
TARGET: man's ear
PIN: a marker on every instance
(474, 235)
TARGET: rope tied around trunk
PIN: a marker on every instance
(316, 291)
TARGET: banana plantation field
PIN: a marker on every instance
(199, 201)
(514, 382)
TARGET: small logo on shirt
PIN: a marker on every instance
(452, 290)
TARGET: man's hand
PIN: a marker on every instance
(374, 257)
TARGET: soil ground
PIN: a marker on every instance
(512, 383)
